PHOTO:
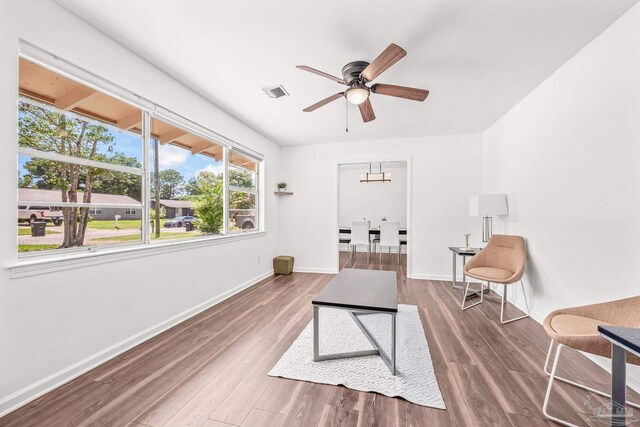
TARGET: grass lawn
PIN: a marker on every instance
(123, 224)
(26, 231)
(33, 248)
(136, 237)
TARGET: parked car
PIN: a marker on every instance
(39, 213)
(180, 221)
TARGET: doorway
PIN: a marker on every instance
(376, 193)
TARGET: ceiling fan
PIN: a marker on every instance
(358, 74)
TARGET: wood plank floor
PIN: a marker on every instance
(212, 369)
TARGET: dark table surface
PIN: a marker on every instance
(628, 337)
(361, 289)
(464, 251)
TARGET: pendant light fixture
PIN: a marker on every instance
(375, 177)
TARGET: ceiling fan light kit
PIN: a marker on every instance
(357, 74)
(357, 94)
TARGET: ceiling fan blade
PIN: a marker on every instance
(366, 111)
(400, 92)
(321, 73)
(392, 54)
(323, 102)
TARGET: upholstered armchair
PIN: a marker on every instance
(577, 327)
(502, 261)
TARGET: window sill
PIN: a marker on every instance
(34, 265)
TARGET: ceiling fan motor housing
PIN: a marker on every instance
(351, 71)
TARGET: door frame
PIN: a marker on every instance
(376, 159)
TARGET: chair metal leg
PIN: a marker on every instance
(466, 290)
(550, 387)
(553, 376)
(504, 302)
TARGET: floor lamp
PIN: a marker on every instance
(487, 206)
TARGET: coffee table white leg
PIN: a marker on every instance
(316, 331)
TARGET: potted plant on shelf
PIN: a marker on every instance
(282, 186)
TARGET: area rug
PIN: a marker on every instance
(415, 380)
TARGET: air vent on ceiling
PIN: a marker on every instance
(275, 91)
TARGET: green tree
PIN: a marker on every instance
(112, 182)
(42, 174)
(171, 183)
(48, 130)
(210, 205)
(241, 179)
(195, 186)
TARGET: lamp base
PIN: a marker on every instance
(487, 228)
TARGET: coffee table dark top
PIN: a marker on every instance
(361, 289)
(628, 337)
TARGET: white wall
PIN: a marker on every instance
(373, 200)
(568, 156)
(55, 325)
(445, 171)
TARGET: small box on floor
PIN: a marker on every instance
(283, 264)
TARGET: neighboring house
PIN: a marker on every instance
(53, 197)
(176, 207)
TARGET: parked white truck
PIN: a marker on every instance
(39, 213)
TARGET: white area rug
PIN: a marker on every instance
(415, 380)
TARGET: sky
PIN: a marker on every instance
(172, 157)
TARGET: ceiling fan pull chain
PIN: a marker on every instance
(346, 120)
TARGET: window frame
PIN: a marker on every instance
(149, 110)
(255, 191)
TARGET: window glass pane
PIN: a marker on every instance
(242, 178)
(61, 116)
(53, 182)
(242, 211)
(47, 130)
(186, 184)
(238, 160)
(75, 228)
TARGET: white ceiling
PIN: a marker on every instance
(478, 58)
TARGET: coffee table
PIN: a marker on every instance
(360, 292)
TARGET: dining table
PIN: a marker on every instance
(373, 231)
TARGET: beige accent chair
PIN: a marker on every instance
(502, 261)
(577, 328)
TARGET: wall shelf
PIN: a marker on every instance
(283, 193)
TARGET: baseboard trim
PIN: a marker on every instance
(315, 270)
(440, 277)
(33, 391)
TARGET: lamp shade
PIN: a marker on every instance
(488, 205)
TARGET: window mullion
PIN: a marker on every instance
(62, 158)
(225, 189)
(146, 177)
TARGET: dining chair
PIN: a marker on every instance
(360, 236)
(390, 236)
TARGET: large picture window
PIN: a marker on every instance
(97, 171)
